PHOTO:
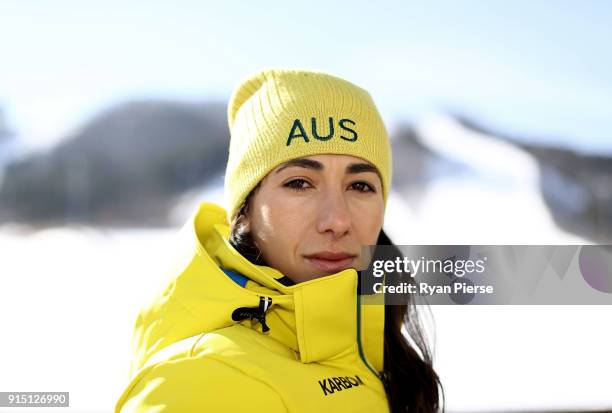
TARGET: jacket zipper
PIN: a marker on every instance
(359, 345)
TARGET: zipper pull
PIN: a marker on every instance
(386, 380)
(254, 313)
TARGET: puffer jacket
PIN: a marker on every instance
(226, 335)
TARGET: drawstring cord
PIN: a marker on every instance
(254, 313)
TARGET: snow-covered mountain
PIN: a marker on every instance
(135, 163)
(491, 196)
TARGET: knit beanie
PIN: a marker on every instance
(277, 115)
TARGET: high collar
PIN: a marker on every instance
(318, 319)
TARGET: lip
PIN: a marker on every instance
(331, 261)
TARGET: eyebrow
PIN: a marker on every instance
(354, 168)
(302, 163)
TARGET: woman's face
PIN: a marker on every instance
(311, 216)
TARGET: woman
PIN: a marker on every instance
(262, 313)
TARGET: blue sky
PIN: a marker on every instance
(540, 69)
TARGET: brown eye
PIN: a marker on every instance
(362, 187)
(297, 184)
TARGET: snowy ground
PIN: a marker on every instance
(68, 302)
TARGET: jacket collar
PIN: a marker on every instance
(318, 319)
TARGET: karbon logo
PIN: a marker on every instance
(322, 131)
(334, 384)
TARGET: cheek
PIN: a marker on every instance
(282, 216)
(278, 226)
(368, 220)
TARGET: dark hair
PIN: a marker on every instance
(411, 383)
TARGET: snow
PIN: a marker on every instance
(68, 302)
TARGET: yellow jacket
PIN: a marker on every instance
(197, 350)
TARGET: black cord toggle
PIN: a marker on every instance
(254, 313)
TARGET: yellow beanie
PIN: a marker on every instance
(277, 115)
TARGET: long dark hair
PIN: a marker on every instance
(411, 383)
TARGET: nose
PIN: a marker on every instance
(334, 214)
